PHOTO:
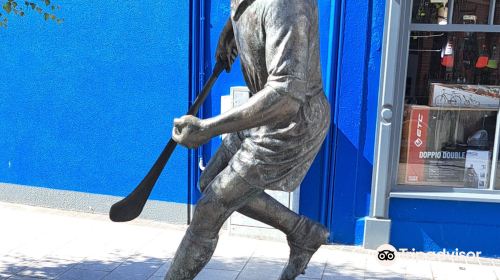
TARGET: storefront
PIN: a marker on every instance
(436, 182)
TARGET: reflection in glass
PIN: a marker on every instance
(452, 100)
(471, 11)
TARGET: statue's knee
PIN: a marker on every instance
(210, 204)
(209, 215)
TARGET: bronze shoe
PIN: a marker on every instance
(304, 241)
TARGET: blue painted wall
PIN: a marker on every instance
(433, 225)
(356, 98)
(88, 105)
(92, 101)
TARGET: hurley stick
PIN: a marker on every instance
(131, 206)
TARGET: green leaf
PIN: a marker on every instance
(47, 2)
(46, 16)
(33, 5)
(38, 9)
(7, 7)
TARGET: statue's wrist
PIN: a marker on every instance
(210, 126)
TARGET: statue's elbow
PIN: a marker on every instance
(292, 108)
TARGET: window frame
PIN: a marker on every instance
(397, 31)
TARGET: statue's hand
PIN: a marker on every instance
(226, 48)
(190, 132)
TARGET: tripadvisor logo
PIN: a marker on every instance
(386, 254)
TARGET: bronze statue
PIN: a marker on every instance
(273, 138)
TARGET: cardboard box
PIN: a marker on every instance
(465, 96)
(434, 144)
(477, 169)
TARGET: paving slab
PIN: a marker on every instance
(82, 274)
(47, 268)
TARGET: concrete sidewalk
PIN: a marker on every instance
(52, 244)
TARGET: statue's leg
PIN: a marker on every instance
(226, 193)
(263, 208)
(304, 236)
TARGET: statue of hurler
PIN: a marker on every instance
(272, 139)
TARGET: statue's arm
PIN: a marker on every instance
(267, 106)
(287, 57)
(226, 51)
(287, 60)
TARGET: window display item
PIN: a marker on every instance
(493, 61)
(477, 169)
(469, 19)
(479, 140)
(422, 10)
(483, 58)
(435, 142)
(442, 15)
(470, 50)
(447, 58)
(465, 96)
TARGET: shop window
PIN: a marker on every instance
(464, 11)
(452, 97)
(471, 11)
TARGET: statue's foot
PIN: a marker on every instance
(304, 241)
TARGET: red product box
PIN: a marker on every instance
(415, 127)
(434, 143)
